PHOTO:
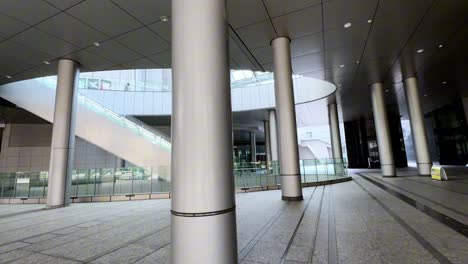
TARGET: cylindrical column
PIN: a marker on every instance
(465, 106)
(273, 135)
(335, 138)
(203, 206)
(266, 128)
(334, 131)
(287, 134)
(253, 147)
(63, 135)
(418, 130)
(382, 130)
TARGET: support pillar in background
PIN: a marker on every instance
(382, 130)
(273, 135)
(253, 147)
(465, 106)
(418, 129)
(291, 188)
(63, 135)
(266, 128)
(335, 138)
(203, 221)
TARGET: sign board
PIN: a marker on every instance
(438, 173)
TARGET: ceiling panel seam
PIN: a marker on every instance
(141, 22)
(256, 62)
(387, 75)
(269, 17)
(365, 44)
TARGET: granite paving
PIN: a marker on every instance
(350, 222)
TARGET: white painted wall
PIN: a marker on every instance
(26, 147)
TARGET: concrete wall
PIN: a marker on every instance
(26, 147)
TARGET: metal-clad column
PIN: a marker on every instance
(203, 206)
(273, 135)
(266, 128)
(287, 134)
(335, 131)
(253, 147)
(418, 130)
(335, 138)
(63, 135)
(382, 130)
(465, 106)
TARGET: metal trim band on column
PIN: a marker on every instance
(204, 213)
(286, 115)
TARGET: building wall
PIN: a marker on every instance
(26, 147)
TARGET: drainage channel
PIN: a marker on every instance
(442, 218)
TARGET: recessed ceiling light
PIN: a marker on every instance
(425, 94)
(339, 84)
(420, 51)
(46, 62)
(347, 25)
(441, 45)
(369, 21)
(164, 18)
(8, 77)
(357, 62)
(444, 82)
(342, 66)
(387, 91)
(97, 44)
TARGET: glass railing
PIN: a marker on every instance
(136, 180)
(138, 127)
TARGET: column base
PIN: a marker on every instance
(56, 206)
(424, 169)
(204, 239)
(291, 187)
(388, 170)
(287, 198)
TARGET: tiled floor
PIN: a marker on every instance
(352, 222)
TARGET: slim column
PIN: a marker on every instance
(384, 143)
(63, 135)
(266, 128)
(335, 138)
(253, 147)
(273, 135)
(284, 95)
(465, 106)
(203, 207)
(418, 130)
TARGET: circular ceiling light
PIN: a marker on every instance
(97, 44)
(8, 77)
(347, 25)
(420, 51)
(425, 95)
(444, 82)
(387, 91)
(46, 62)
(342, 66)
(369, 21)
(339, 84)
(357, 62)
(164, 18)
(441, 45)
